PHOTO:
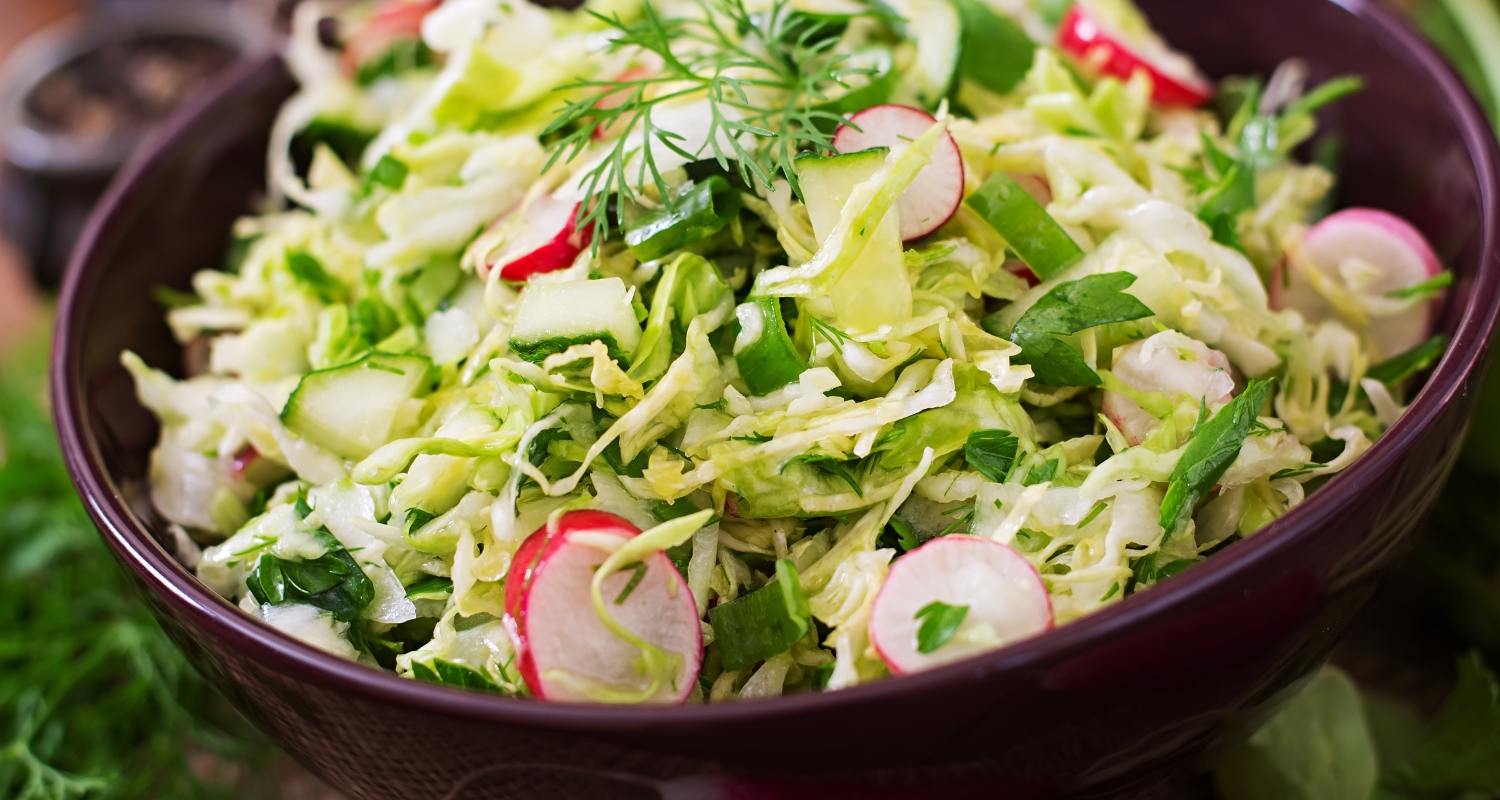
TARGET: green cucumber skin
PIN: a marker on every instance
(553, 317)
(767, 621)
(1027, 227)
(993, 51)
(536, 352)
(772, 361)
(301, 414)
(854, 160)
(700, 211)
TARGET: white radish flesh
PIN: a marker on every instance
(543, 238)
(1365, 254)
(934, 195)
(1171, 364)
(560, 640)
(1006, 601)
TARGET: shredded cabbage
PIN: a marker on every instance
(906, 408)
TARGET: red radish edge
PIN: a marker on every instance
(529, 570)
(931, 572)
(1393, 335)
(392, 21)
(544, 240)
(1091, 42)
(614, 98)
(934, 196)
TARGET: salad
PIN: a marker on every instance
(669, 350)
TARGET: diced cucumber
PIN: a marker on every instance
(933, 26)
(876, 290)
(555, 316)
(350, 410)
(827, 182)
(767, 359)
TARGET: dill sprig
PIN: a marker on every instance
(764, 76)
(95, 701)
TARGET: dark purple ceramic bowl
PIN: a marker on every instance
(1111, 704)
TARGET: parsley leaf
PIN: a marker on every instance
(991, 452)
(939, 621)
(1398, 368)
(1214, 446)
(1071, 307)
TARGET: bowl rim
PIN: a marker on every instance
(279, 652)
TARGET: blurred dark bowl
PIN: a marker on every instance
(1112, 704)
(53, 172)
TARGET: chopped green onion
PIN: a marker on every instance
(1427, 288)
(764, 622)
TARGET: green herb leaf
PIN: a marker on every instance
(1398, 368)
(939, 621)
(1424, 289)
(447, 673)
(1071, 307)
(767, 621)
(389, 172)
(309, 271)
(638, 572)
(994, 52)
(1040, 473)
(1214, 446)
(829, 465)
(430, 584)
(991, 452)
(332, 582)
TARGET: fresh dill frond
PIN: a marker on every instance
(765, 79)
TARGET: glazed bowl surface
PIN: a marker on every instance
(1112, 704)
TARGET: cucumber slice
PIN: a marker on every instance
(933, 26)
(1027, 227)
(767, 359)
(876, 289)
(555, 316)
(350, 410)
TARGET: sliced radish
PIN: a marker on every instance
(933, 197)
(1169, 363)
(393, 21)
(614, 98)
(543, 236)
(1004, 595)
(1364, 253)
(560, 641)
(1112, 38)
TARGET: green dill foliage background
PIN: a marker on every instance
(94, 700)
